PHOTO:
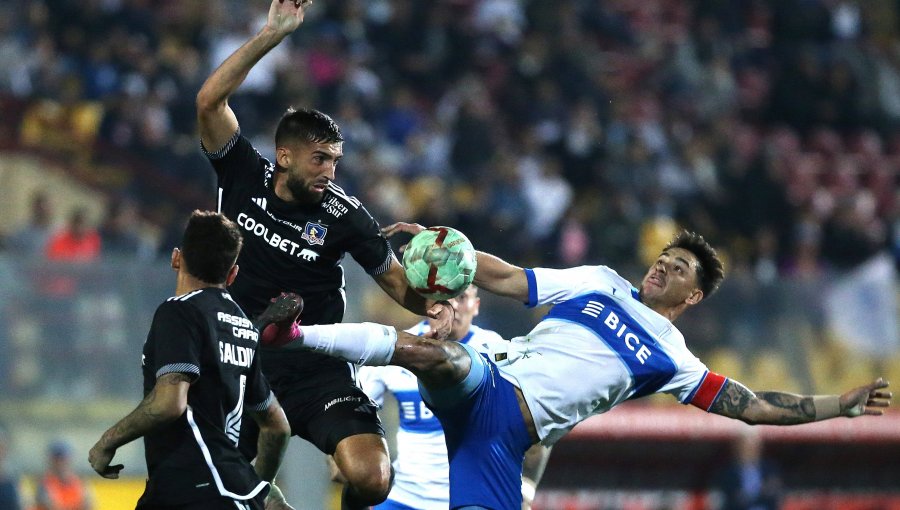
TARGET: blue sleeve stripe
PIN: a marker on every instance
(532, 288)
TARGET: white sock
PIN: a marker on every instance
(364, 344)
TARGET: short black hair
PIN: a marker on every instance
(710, 271)
(210, 246)
(306, 124)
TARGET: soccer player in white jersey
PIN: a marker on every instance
(602, 342)
(421, 479)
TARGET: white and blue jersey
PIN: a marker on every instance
(421, 479)
(597, 347)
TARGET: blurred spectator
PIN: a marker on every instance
(750, 482)
(862, 296)
(120, 232)
(31, 239)
(9, 484)
(61, 488)
(76, 241)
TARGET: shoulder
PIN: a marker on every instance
(485, 335)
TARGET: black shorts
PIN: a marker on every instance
(324, 417)
(220, 503)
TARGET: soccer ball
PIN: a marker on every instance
(439, 263)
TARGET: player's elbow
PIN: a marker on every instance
(207, 103)
(170, 411)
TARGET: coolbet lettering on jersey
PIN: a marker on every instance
(276, 241)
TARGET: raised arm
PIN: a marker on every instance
(215, 118)
(164, 404)
(778, 408)
(499, 277)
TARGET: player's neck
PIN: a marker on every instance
(188, 283)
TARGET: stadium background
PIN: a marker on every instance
(552, 133)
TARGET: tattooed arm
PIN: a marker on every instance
(274, 433)
(778, 408)
(164, 404)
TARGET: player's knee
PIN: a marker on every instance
(371, 486)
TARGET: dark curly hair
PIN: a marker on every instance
(210, 246)
(710, 271)
(306, 124)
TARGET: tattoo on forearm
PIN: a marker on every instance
(767, 407)
(145, 416)
(733, 401)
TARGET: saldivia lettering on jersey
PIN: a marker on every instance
(622, 331)
(235, 354)
(274, 239)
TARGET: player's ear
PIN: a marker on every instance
(176, 259)
(283, 157)
(695, 297)
(232, 274)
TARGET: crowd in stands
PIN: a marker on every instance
(552, 133)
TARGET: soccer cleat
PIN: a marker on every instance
(277, 324)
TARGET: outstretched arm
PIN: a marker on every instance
(492, 274)
(777, 408)
(164, 404)
(216, 119)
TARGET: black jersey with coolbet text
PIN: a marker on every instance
(206, 335)
(294, 248)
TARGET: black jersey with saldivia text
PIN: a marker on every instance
(205, 335)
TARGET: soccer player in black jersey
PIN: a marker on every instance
(201, 375)
(298, 225)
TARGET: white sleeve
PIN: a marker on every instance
(690, 374)
(555, 285)
(371, 380)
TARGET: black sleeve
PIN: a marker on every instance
(370, 248)
(175, 340)
(237, 163)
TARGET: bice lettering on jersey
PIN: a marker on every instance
(595, 309)
(649, 366)
(274, 239)
(414, 414)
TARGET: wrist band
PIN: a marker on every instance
(529, 488)
(827, 406)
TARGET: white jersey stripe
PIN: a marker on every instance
(212, 468)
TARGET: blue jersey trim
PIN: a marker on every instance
(649, 365)
(465, 339)
(532, 288)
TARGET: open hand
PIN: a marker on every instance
(286, 15)
(866, 399)
(440, 316)
(402, 226)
